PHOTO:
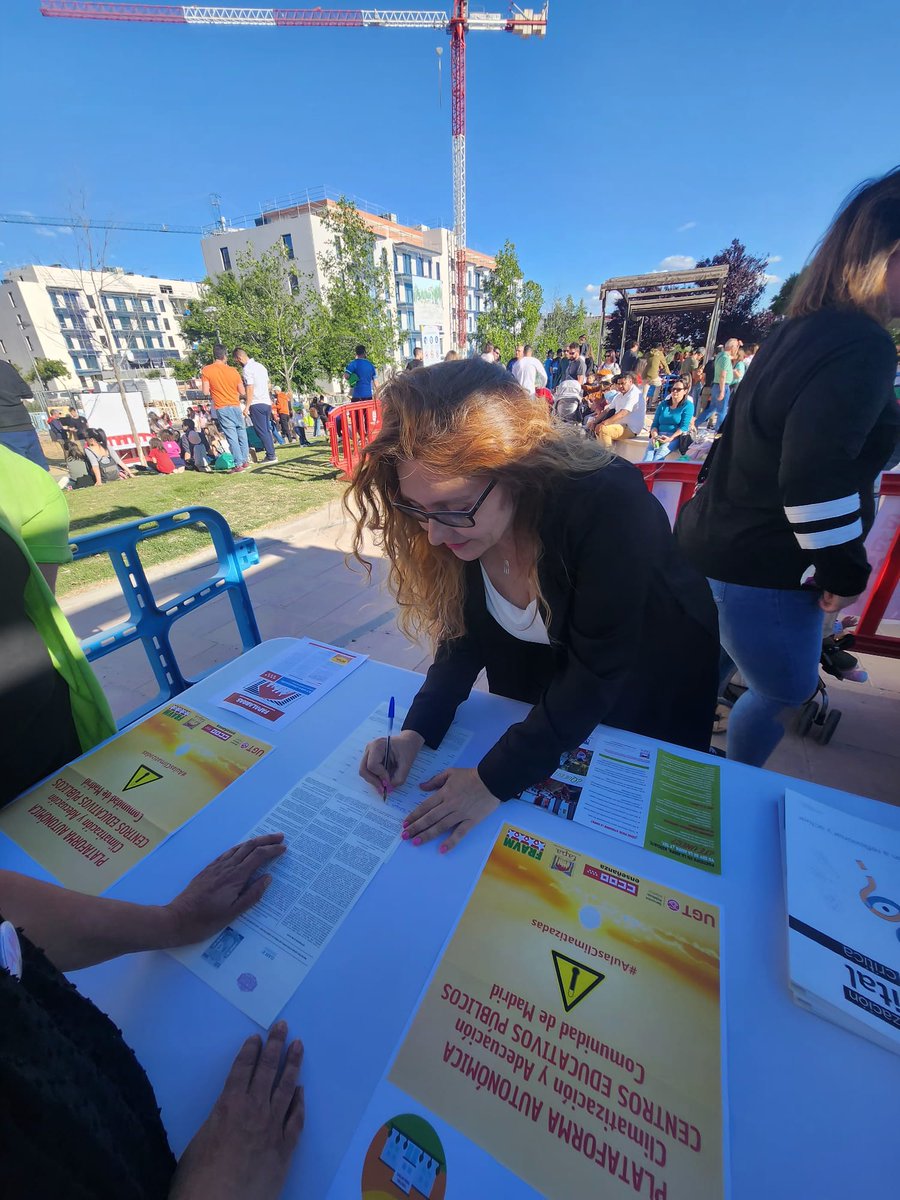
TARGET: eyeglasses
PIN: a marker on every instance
(678, 388)
(456, 520)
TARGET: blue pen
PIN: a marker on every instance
(387, 749)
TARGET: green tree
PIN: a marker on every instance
(46, 370)
(514, 305)
(565, 321)
(782, 298)
(265, 305)
(355, 295)
(184, 369)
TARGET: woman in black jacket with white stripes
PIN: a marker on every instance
(779, 524)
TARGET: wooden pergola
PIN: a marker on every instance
(668, 292)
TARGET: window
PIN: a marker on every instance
(91, 303)
(295, 284)
(12, 299)
(437, 269)
(28, 344)
(166, 289)
(19, 321)
(166, 323)
(162, 306)
(407, 265)
(171, 341)
(396, 263)
(226, 258)
(288, 242)
(98, 324)
(419, 265)
(2, 347)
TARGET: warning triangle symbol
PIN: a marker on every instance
(575, 979)
(141, 776)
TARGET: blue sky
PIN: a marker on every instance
(633, 134)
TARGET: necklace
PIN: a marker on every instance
(506, 566)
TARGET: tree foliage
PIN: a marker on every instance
(564, 323)
(741, 316)
(267, 306)
(782, 298)
(46, 370)
(514, 305)
(356, 294)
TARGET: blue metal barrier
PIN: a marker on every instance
(147, 622)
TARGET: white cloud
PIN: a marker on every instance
(592, 288)
(686, 226)
(611, 298)
(677, 262)
(43, 231)
(767, 279)
(773, 258)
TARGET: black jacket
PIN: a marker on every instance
(633, 630)
(790, 484)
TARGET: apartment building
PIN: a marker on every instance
(421, 260)
(83, 318)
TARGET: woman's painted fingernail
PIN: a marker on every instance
(444, 849)
(417, 841)
(405, 834)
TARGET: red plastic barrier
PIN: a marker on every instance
(350, 428)
(684, 473)
(881, 590)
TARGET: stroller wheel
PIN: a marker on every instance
(831, 723)
(808, 714)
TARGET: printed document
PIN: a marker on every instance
(338, 832)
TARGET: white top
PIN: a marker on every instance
(256, 375)
(526, 624)
(636, 407)
(529, 373)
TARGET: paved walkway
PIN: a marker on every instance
(302, 586)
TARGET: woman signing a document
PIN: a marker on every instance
(522, 549)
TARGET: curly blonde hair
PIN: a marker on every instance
(465, 419)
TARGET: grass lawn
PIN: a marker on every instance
(266, 495)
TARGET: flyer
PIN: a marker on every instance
(103, 813)
(338, 833)
(629, 788)
(291, 683)
(569, 1038)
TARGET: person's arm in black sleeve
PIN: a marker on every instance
(820, 474)
(610, 583)
(447, 684)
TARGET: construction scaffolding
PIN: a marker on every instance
(663, 292)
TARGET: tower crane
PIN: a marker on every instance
(525, 22)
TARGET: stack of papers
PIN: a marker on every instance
(843, 898)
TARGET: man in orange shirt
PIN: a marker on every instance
(282, 407)
(223, 384)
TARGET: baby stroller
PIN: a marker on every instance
(567, 406)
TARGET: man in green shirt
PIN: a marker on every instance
(723, 377)
(656, 366)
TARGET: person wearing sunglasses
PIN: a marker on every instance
(521, 548)
(671, 422)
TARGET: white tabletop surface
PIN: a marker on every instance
(811, 1108)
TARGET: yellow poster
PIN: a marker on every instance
(572, 1028)
(100, 815)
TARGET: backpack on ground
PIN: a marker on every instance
(78, 472)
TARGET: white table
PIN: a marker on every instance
(811, 1109)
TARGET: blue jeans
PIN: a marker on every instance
(718, 405)
(774, 638)
(26, 443)
(261, 416)
(231, 422)
(662, 453)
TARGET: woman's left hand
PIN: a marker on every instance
(458, 801)
(223, 890)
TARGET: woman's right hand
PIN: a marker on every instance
(404, 748)
(244, 1149)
